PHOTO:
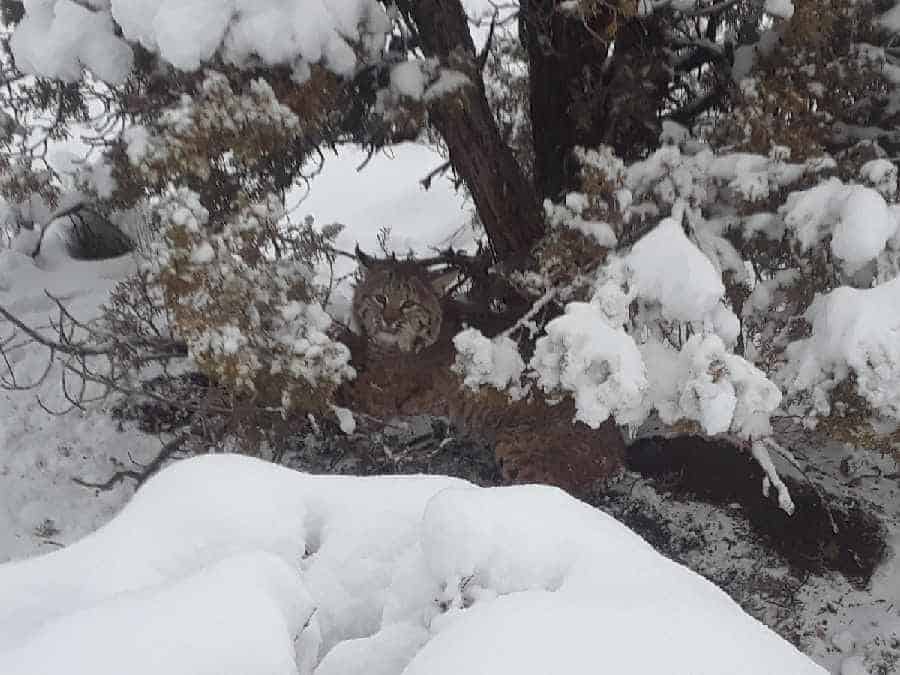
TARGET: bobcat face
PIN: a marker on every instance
(397, 305)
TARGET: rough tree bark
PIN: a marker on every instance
(580, 96)
(507, 204)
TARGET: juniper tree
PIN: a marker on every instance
(699, 197)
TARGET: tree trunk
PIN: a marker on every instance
(510, 210)
(580, 96)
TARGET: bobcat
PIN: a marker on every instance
(404, 357)
(397, 306)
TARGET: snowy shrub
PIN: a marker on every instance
(701, 227)
(244, 302)
(595, 361)
(853, 335)
(705, 285)
(219, 141)
(707, 383)
(495, 362)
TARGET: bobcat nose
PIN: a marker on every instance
(391, 316)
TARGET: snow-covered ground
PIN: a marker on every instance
(226, 561)
(40, 507)
(225, 564)
(40, 453)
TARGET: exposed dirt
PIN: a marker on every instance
(418, 445)
(841, 534)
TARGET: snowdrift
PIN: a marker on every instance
(228, 565)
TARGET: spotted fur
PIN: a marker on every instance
(397, 306)
(399, 310)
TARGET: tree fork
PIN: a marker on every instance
(507, 203)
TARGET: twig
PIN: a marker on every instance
(788, 456)
(526, 318)
(140, 477)
(170, 348)
(426, 182)
(486, 52)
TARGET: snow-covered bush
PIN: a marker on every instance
(728, 281)
(495, 362)
(696, 265)
(595, 361)
(244, 302)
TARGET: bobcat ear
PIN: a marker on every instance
(444, 281)
(363, 259)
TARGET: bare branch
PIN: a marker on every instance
(165, 348)
(426, 182)
(140, 476)
(525, 320)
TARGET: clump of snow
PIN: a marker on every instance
(599, 167)
(137, 143)
(446, 81)
(668, 268)
(495, 362)
(843, 640)
(771, 478)
(881, 174)
(673, 133)
(569, 215)
(865, 226)
(854, 331)
(269, 571)
(857, 217)
(256, 599)
(408, 79)
(598, 363)
(725, 324)
(783, 9)
(610, 294)
(59, 37)
(345, 419)
(419, 79)
(707, 383)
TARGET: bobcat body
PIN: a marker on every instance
(404, 358)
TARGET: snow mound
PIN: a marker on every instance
(226, 564)
(249, 629)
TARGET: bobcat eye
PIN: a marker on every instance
(406, 305)
(381, 300)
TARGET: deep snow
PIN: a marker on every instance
(226, 564)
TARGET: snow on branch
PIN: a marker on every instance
(59, 38)
(741, 297)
